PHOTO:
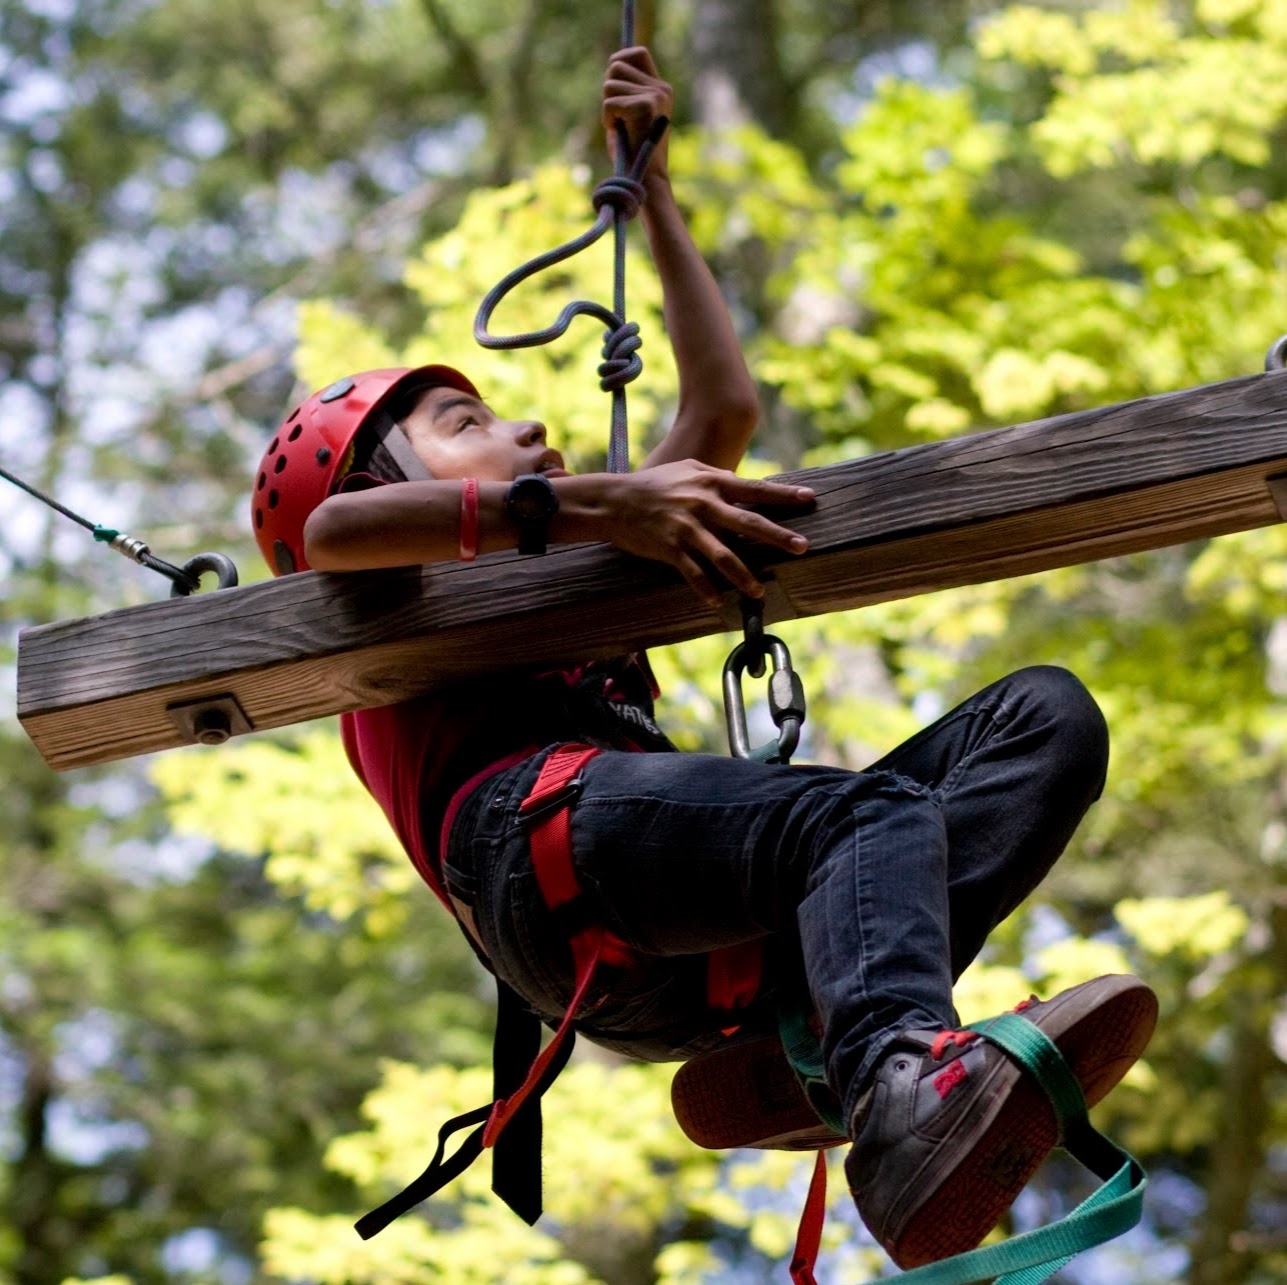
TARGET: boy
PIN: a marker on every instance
(873, 890)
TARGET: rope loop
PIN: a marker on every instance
(617, 200)
(623, 193)
(621, 363)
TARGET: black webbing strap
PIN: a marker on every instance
(516, 1159)
(390, 433)
(435, 1177)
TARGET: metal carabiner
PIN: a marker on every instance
(786, 702)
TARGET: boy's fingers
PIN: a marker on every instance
(728, 564)
(755, 526)
(619, 69)
(745, 490)
(638, 56)
(698, 579)
(628, 104)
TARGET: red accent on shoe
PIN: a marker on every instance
(947, 1080)
(1026, 1003)
(944, 1038)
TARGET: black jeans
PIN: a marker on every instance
(875, 889)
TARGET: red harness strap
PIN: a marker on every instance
(808, 1238)
(547, 809)
(733, 973)
(733, 977)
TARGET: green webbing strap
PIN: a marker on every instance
(1115, 1208)
(805, 1055)
(1038, 1055)
(1033, 1256)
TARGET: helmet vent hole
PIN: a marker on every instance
(259, 519)
(273, 497)
(294, 413)
(263, 481)
(272, 446)
(283, 558)
(295, 432)
(281, 464)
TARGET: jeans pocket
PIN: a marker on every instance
(461, 885)
(526, 947)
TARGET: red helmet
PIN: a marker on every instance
(305, 458)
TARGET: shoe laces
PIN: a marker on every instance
(944, 1038)
(961, 1038)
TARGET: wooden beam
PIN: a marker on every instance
(990, 505)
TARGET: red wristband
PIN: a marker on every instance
(468, 519)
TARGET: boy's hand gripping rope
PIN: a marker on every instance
(617, 200)
(183, 580)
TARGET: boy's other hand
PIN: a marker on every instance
(634, 92)
(682, 513)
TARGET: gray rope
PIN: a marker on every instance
(616, 200)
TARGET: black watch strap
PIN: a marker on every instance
(531, 503)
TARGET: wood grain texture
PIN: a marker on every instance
(995, 504)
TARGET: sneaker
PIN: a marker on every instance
(745, 1094)
(952, 1128)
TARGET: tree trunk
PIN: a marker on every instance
(738, 77)
(40, 1258)
(1226, 1251)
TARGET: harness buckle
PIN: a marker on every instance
(537, 807)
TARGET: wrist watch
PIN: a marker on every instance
(530, 503)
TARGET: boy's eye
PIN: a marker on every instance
(467, 421)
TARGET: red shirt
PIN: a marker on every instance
(414, 756)
(390, 748)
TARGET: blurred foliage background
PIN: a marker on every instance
(230, 1019)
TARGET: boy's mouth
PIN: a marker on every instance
(551, 465)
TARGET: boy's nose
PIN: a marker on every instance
(529, 432)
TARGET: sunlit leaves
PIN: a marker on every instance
(616, 1168)
(1197, 927)
(301, 805)
(1132, 86)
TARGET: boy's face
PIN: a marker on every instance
(457, 436)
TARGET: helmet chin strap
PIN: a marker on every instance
(390, 433)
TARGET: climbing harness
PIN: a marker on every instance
(617, 200)
(183, 580)
(522, 1071)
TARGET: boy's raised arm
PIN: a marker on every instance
(718, 407)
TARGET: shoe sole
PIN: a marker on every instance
(746, 1095)
(1101, 1028)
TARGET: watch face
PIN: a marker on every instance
(530, 503)
(532, 498)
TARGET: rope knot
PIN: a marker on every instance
(621, 363)
(624, 194)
